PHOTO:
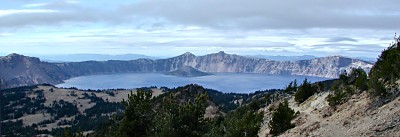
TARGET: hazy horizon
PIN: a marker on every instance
(103, 57)
(166, 29)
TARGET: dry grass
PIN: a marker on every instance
(34, 118)
(75, 97)
(50, 126)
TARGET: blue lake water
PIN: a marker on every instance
(225, 82)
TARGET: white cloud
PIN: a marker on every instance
(201, 26)
(272, 14)
(72, 1)
(35, 5)
(6, 34)
(24, 11)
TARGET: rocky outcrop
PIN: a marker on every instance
(17, 70)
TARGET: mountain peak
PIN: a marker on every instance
(221, 52)
(334, 57)
(14, 55)
(187, 54)
(339, 56)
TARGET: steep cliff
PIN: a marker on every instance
(330, 67)
(17, 70)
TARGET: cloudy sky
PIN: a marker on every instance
(171, 27)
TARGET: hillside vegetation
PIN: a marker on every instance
(356, 104)
(386, 71)
(48, 110)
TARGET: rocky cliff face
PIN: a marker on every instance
(17, 70)
(330, 67)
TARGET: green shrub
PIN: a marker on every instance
(334, 99)
(377, 88)
(346, 86)
(339, 96)
(361, 80)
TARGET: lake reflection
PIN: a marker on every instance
(225, 82)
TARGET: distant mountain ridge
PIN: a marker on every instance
(284, 58)
(303, 57)
(18, 70)
(92, 57)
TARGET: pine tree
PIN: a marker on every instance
(281, 119)
(175, 119)
(67, 133)
(79, 133)
(385, 71)
(138, 114)
(361, 80)
(305, 91)
(295, 85)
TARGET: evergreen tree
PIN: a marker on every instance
(386, 70)
(305, 91)
(67, 133)
(244, 121)
(79, 133)
(361, 80)
(181, 119)
(281, 119)
(292, 87)
(289, 88)
(138, 115)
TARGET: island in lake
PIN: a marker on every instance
(187, 71)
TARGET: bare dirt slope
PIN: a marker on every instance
(357, 117)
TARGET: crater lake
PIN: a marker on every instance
(224, 82)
